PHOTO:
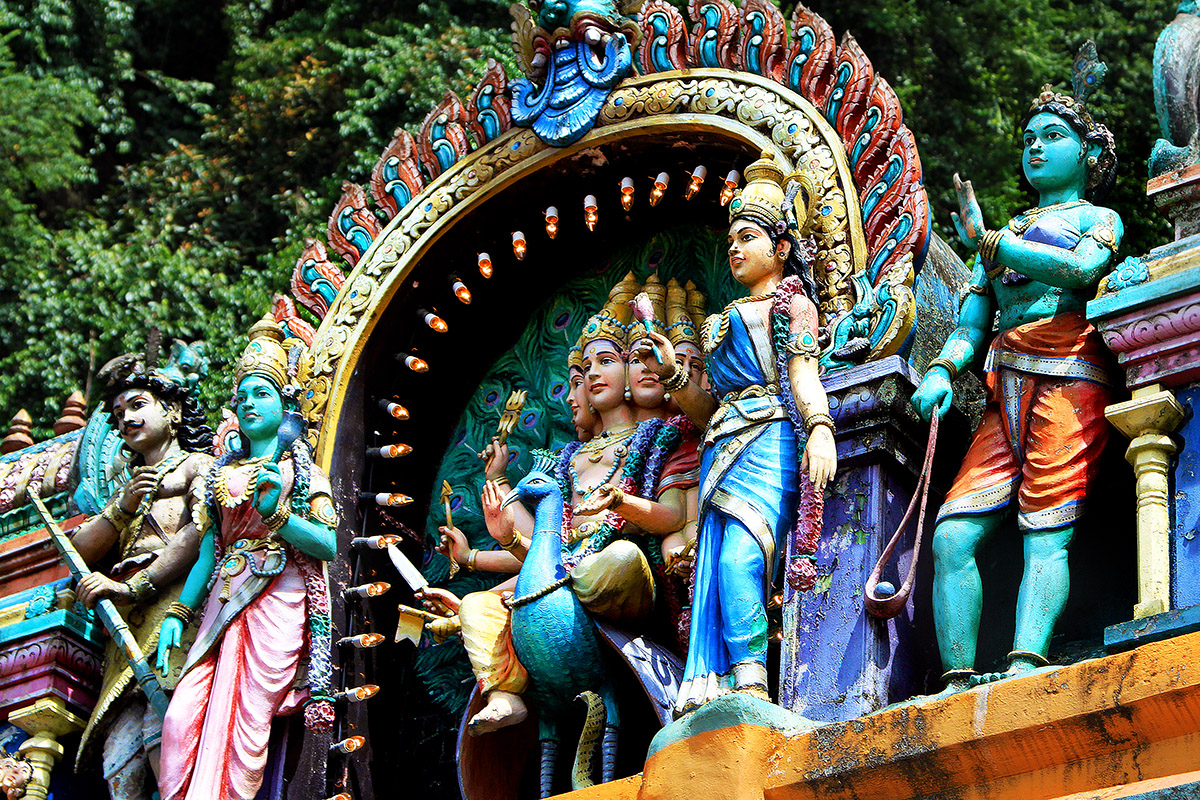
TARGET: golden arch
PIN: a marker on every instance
(752, 111)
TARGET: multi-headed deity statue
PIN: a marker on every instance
(268, 524)
(149, 530)
(1043, 428)
(628, 484)
(770, 432)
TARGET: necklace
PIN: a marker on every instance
(1024, 221)
(717, 325)
(594, 448)
(618, 456)
(165, 468)
(221, 487)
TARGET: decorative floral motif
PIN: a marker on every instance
(1130, 272)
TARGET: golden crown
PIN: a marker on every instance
(762, 198)
(265, 354)
(611, 323)
(681, 326)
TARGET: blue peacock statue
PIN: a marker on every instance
(555, 638)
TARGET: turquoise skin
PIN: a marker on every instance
(260, 414)
(1060, 280)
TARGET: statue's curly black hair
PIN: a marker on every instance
(195, 436)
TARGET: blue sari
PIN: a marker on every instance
(749, 487)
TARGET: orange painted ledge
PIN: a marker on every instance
(1097, 729)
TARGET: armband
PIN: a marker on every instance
(803, 344)
(322, 510)
(143, 590)
(1104, 236)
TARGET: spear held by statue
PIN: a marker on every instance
(106, 612)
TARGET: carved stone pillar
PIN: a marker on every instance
(45, 721)
(1147, 418)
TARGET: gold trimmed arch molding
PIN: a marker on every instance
(748, 110)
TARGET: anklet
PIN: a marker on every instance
(1036, 658)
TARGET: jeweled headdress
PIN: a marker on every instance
(575, 358)
(696, 302)
(1087, 73)
(762, 198)
(265, 354)
(769, 198)
(681, 327)
(611, 323)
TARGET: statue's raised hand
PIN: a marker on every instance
(268, 490)
(644, 352)
(969, 219)
(453, 545)
(934, 394)
(500, 521)
(495, 459)
(142, 483)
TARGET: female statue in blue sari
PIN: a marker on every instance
(768, 439)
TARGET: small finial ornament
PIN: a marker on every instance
(20, 433)
(73, 414)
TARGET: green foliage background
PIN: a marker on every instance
(164, 160)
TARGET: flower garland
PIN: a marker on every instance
(806, 533)
(654, 441)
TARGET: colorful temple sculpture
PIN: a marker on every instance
(593, 452)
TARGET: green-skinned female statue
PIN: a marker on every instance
(1043, 428)
(770, 434)
(269, 526)
(149, 530)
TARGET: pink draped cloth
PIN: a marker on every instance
(219, 720)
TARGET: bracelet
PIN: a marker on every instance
(143, 590)
(989, 245)
(118, 517)
(677, 379)
(501, 481)
(945, 364)
(180, 612)
(471, 560)
(820, 418)
(516, 541)
(278, 519)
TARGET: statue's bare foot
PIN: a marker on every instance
(953, 686)
(1018, 664)
(503, 709)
